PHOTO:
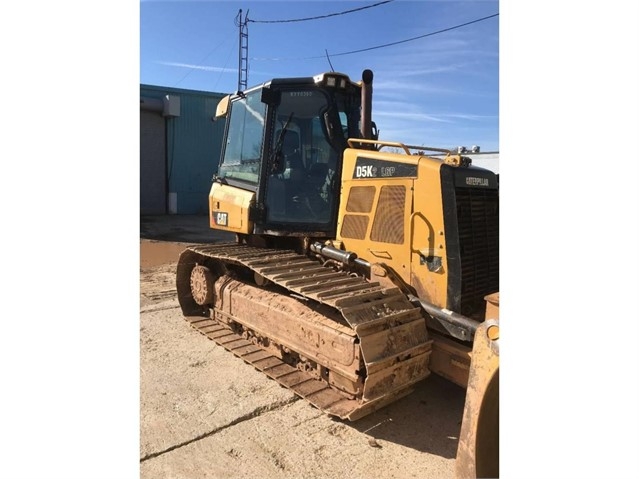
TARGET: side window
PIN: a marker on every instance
(343, 119)
(242, 154)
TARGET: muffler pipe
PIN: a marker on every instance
(367, 104)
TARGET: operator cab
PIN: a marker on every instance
(284, 141)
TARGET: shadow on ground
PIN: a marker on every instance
(428, 420)
(181, 228)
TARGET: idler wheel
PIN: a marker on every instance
(202, 281)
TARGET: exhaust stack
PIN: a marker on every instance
(367, 104)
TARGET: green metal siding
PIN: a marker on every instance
(193, 146)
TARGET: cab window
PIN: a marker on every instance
(242, 152)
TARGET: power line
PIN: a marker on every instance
(321, 16)
(415, 38)
(387, 44)
(200, 62)
(223, 69)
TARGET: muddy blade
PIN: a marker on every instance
(385, 333)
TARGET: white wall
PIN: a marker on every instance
(490, 161)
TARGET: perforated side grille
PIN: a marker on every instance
(388, 226)
(478, 225)
(360, 199)
(354, 226)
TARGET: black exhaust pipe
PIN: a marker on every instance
(367, 104)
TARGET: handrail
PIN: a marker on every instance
(406, 148)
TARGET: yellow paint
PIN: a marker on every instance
(230, 205)
(423, 222)
(493, 332)
(222, 107)
(478, 447)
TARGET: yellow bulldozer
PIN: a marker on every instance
(360, 266)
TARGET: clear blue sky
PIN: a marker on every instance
(441, 90)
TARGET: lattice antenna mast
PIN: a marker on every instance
(242, 71)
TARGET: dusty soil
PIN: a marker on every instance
(204, 413)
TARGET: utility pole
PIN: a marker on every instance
(242, 71)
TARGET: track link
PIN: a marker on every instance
(391, 332)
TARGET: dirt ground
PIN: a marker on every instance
(204, 413)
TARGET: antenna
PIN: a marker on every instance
(329, 60)
(242, 70)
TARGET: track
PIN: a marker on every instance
(387, 332)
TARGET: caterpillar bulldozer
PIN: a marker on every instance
(359, 267)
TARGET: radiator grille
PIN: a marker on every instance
(478, 227)
(354, 226)
(388, 226)
(360, 199)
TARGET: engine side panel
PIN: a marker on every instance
(391, 213)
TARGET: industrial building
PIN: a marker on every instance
(180, 147)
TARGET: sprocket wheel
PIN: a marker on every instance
(202, 285)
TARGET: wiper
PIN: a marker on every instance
(277, 151)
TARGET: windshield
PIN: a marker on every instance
(242, 152)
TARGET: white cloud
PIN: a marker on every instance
(393, 87)
(199, 67)
(408, 116)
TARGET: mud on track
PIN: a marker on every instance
(204, 413)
